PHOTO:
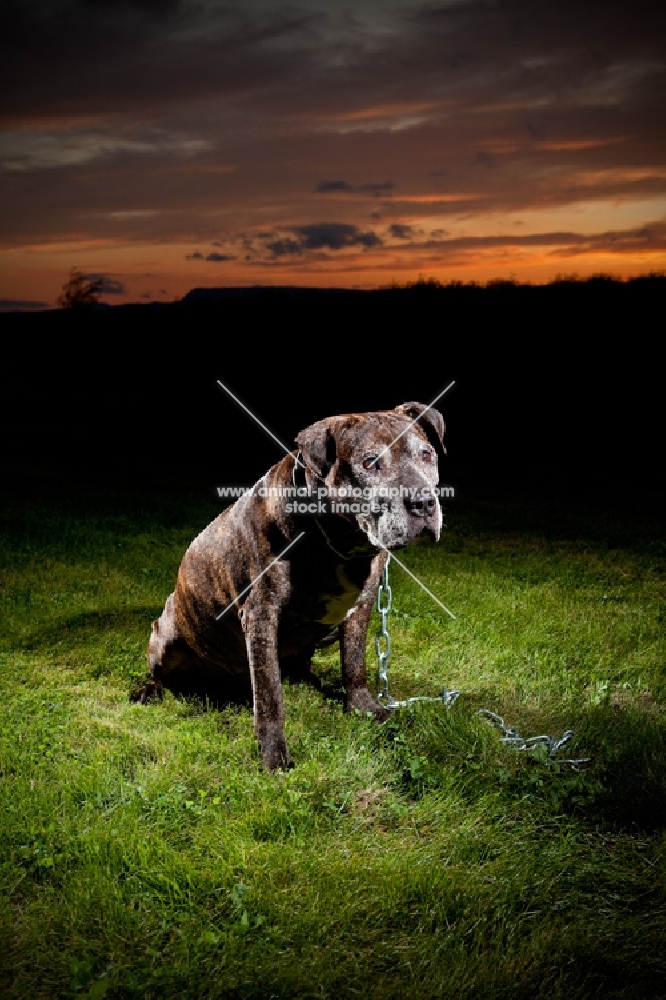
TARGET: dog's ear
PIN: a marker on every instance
(431, 421)
(318, 447)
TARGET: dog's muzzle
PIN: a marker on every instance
(424, 506)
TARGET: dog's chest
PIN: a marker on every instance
(323, 592)
(338, 602)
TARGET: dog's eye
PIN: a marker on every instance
(371, 462)
(426, 455)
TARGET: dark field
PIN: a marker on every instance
(143, 851)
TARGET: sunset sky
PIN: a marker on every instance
(169, 144)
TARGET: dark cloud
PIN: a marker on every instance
(651, 237)
(335, 236)
(284, 248)
(107, 285)
(383, 189)
(322, 236)
(78, 56)
(213, 257)
(75, 56)
(483, 159)
(644, 238)
(22, 305)
(326, 187)
(69, 56)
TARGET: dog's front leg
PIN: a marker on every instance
(353, 636)
(260, 624)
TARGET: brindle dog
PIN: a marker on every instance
(232, 625)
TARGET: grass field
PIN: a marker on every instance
(144, 853)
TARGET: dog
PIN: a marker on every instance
(246, 613)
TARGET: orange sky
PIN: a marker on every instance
(169, 146)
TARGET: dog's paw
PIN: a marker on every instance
(274, 752)
(361, 700)
(276, 758)
(151, 691)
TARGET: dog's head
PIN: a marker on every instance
(385, 466)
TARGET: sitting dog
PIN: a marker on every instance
(245, 612)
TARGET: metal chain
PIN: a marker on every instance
(510, 735)
(383, 695)
(512, 738)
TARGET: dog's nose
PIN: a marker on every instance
(424, 506)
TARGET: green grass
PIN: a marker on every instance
(145, 853)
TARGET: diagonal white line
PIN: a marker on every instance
(258, 421)
(428, 407)
(422, 585)
(221, 615)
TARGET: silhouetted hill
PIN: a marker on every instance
(208, 296)
(558, 387)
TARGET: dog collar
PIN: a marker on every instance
(330, 543)
(298, 462)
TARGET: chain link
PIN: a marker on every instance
(512, 738)
(383, 638)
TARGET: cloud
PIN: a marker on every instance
(83, 56)
(400, 231)
(213, 257)
(439, 249)
(264, 65)
(284, 248)
(108, 286)
(335, 236)
(483, 159)
(320, 236)
(383, 189)
(29, 149)
(377, 190)
(651, 237)
(648, 238)
(323, 236)
(326, 187)
(22, 305)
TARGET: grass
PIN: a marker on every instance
(144, 853)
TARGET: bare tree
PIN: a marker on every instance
(79, 291)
